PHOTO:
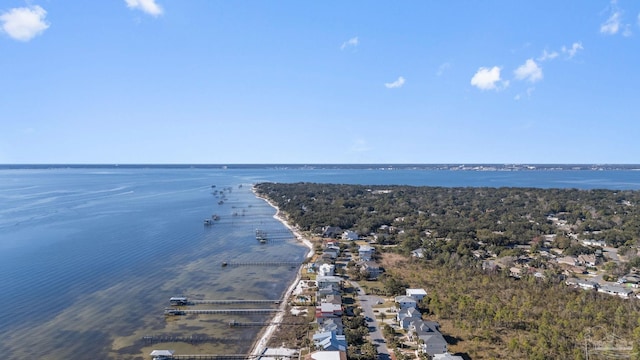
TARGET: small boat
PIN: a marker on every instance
(179, 301)
(215, 217)
(208, 222)
(173, 312)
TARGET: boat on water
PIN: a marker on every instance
(179, 301)
(208, 222)
(215, 217)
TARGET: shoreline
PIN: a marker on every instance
(260, 344)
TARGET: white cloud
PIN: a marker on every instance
(612, 25)
(24, 23)
(353, 42)
(529, 71)
(571, 52)
(548, 55)
(529, 91)
(148, 6)
(488, 79)
(396, 84)
(444, 67)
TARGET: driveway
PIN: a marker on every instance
(366, 303)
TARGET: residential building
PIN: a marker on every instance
(405, 302)
(350, 235)
(330, 341)
(371, 269)
(417, 294)
(365, 252)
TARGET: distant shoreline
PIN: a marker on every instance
(260, 344)
(372, 166)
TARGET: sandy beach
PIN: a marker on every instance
(261, 343)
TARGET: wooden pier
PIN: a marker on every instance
(261, 263)
(225, 356)
(215, 357)
(193, 340)
(178, 312)
(284, 234)
(233, 301)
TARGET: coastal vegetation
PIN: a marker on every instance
(486, 312)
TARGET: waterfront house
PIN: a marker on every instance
(328, 290)
(331, 232)
(330, 324)
(326, 270)
(328, 310)
(324, 281)
(330, 341)
(331, 298)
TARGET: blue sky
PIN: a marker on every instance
(204, 81)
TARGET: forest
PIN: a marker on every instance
(488, 313)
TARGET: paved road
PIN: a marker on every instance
(366, 303)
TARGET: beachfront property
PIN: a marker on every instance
(328, 310)
(331, 324)
(326, 270)
(331, 232)
(324, 281)
(330, 341)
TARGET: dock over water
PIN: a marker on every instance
(234, 301)
(178, 312)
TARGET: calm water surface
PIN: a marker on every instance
(89, 257)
